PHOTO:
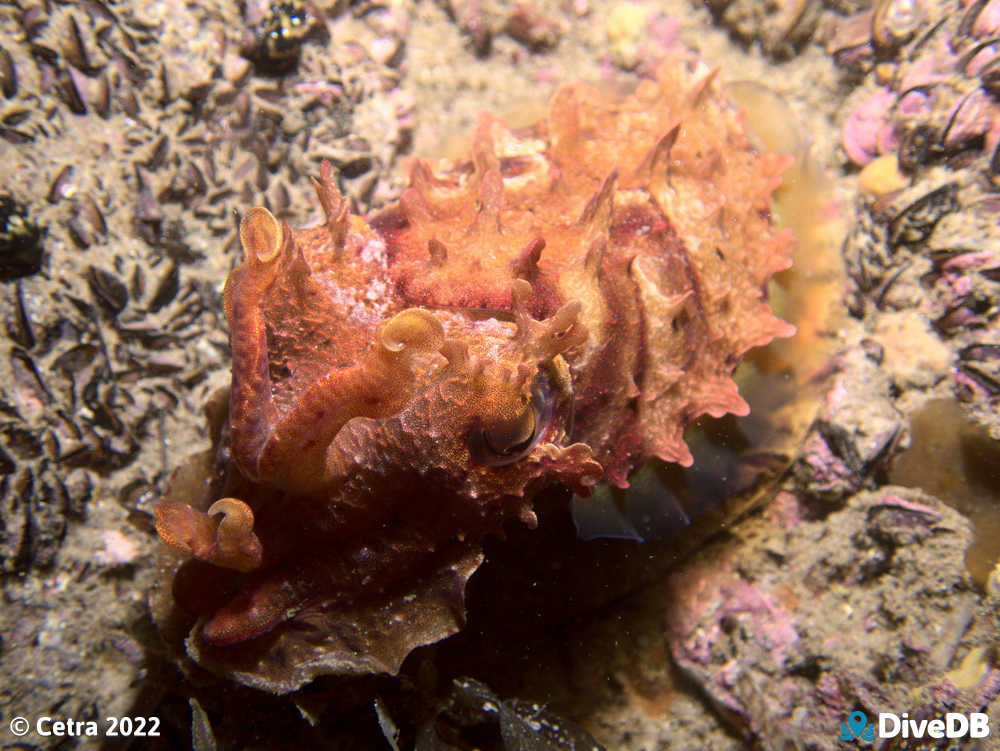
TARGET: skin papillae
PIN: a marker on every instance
(556, 307)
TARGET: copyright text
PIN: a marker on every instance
(67, 727)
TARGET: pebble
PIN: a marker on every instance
(882, 176)
(624, 27)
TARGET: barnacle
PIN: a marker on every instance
(895, 21)
(278, 38)
(20, 241)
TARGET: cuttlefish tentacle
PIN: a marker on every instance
(223, 536)
(545, 339)
(336, 206)
(381, 385)
(289, 449)
(251, 409)
(272, 596)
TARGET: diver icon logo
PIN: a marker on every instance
(857, 728)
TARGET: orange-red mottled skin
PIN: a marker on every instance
(555, 308)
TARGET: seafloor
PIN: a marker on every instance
(134, 132)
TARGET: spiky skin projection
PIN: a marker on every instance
(556, 307)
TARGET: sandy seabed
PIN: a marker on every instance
(133, 133)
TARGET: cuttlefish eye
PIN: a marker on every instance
(507, 441)
(510, 437)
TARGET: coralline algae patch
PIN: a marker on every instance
(956, 460)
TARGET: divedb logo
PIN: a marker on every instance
(891, 725)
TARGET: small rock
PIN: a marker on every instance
(624, 28)
(532, 28)
(235, 68)
(882, 176)
(118, 550)
(913, 354)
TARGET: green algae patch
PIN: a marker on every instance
(956, 460)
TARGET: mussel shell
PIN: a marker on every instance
(100, 95)
(166, 289)
(8, 74)
(994, 167)
(991, 79)
(20, 327)
(918, 146)
(108, 289)
(980, 352)
(15, 136)
(917, 221)
(895, 21)
(91, 215)
(795, 24)
(61, 184)
(128, 101)
(73, 47)
(969, 18)
(989, 382)
(79, 234)
(69, 86)
(7, 464)
(978, 20)
(33, 19)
